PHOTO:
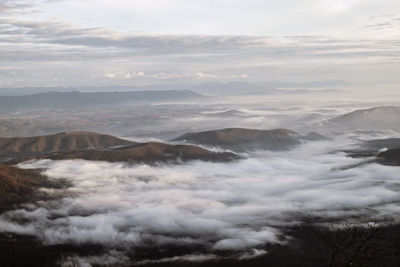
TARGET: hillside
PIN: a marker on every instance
(241, 139)
(67, 141)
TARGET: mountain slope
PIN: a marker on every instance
(67, 141)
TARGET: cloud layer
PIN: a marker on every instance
(59, 53)
(221, 207)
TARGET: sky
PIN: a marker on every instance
(132, 42)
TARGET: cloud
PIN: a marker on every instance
(75, 54)
(230, 207)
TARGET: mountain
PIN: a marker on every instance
(217, 88)
(241, 139)
(143, 152)
(67, 141)
(62, 100)
(374, 119)
(107, 88)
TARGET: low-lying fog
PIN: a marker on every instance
(221, 207)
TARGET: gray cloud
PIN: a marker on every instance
(65, 34)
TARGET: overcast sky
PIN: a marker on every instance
(130, 42)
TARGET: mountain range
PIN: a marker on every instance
(94, 146)
(212, 88)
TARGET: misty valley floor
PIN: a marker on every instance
(268, 209)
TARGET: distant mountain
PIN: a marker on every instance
(19, 91)
(68, 141)
(241, 139)
(62, 100)
(217, 88)
(377, 118)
